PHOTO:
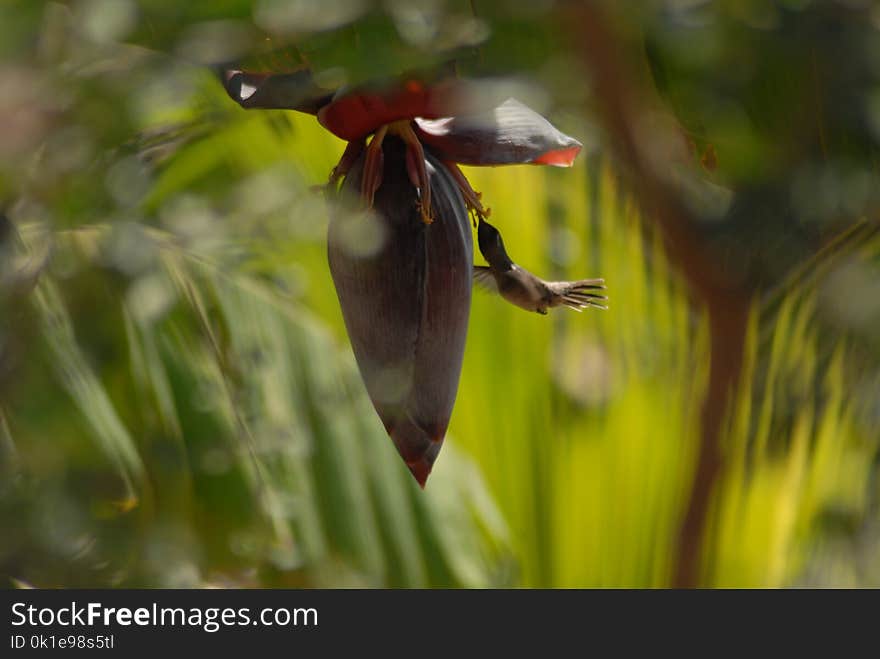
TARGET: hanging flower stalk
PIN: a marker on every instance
(406, 299)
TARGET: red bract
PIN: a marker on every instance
(405, 286)
(449, 115)
(509, 134)
(354, 114)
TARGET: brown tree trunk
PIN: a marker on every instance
(623, 97)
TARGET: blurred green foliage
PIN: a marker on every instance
(178, 402)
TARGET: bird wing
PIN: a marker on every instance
(484, 278)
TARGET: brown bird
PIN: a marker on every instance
(520, 287)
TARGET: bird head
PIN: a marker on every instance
(492, 246)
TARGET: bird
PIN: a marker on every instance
(525, 290)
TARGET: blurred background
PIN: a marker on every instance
(179, 405)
